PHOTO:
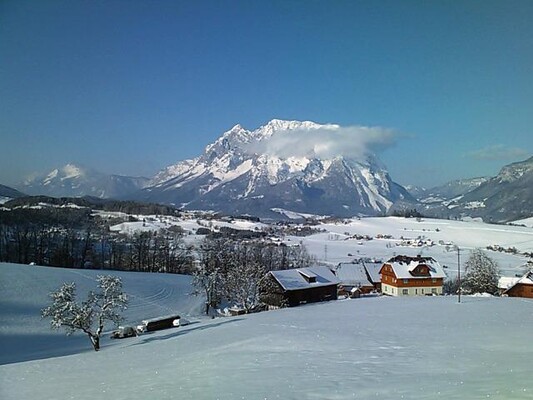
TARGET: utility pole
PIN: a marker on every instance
(459, 272)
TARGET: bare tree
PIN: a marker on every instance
(91, 315)
(209, 272)
(243, 278)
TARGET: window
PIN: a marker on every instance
(405, 292)
(406, 281)
(422, 291)
(434, 280)
(434, 290)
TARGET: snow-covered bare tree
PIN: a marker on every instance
(209, 272)
(482, 273)
(243, 278)
(91, 315)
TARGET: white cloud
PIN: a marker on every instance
(325, 142)
(498, 152)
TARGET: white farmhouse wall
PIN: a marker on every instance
(410, 291)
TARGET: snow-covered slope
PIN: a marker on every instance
(24, 292)
(384, 348)
(506, 197)
(74, 181)
(7, 193)
(254, 171)
(447, 191)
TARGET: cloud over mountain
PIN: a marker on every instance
(324, 142)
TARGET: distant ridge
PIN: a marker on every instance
(10, 193)
(73, 180)
(506, 197)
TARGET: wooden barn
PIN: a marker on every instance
(523, 287)
(412, 276)
(293, 287)
(353, 276)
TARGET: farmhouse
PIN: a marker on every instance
(411, 276)
(353, 276)
(522, 288)
(293, 287)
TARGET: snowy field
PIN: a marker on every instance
(335, 245)
(380, 347)
(24, 292)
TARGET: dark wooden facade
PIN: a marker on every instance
(521, 290)
(279, 297)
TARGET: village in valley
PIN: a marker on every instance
(241, 264)
(282, 286)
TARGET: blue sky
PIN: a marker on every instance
(130, 87)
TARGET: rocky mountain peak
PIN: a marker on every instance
(254, 171)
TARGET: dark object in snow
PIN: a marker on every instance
(155, 324)
(124, 332)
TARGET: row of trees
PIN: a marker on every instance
(95, 247)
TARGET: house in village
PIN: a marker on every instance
(293, 287)
(523, 287)
(353, 276)
(411, 276)
(372, 269)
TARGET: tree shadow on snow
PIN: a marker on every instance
(15, 348)
(176, 332)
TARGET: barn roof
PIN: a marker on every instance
(505, 282)
(403, 266)
(527, 279)
(373, 269)
(351, 274)
(305, 278)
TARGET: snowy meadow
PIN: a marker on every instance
(373, 347)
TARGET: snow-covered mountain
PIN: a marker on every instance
(74, 181)
(256, 171)
(506, 197)
(7, 193)
(447, 191)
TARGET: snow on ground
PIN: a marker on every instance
(381, 347)
(156, 223)
(527, 222)
(332, 247)
(24, 292)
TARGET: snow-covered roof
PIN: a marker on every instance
(351, 274)
(295, 279)
(404, 267)
(527, 279)
(505, 282)
(373, 271)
